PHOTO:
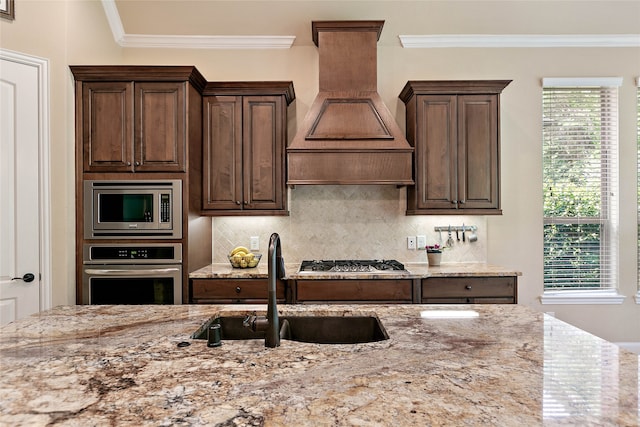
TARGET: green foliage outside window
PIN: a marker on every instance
(573, 194)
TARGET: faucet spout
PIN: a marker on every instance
(270, 324)
(276, 271)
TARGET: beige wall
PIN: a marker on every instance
(332, 221)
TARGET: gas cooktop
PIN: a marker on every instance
(351, 266)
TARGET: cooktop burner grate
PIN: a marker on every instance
(355, 266)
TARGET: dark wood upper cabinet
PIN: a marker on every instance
(454, 127)
(245, 137)
(159, 131)
(134, 119)
(107, 126)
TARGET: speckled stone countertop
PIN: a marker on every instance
(122, 366)
(413, 271)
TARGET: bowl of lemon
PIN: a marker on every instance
(241, 257)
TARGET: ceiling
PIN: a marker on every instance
(402, 17)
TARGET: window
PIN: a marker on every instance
(580, 140)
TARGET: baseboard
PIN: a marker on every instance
(631, 346)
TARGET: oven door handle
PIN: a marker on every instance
(129, 272)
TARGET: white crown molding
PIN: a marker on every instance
(407, 41)
(207, 42)
(520, 40)
(189, 42)
(113, 17)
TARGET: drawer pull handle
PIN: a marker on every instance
(468, 287)
(238, 289)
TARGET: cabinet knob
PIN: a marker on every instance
(137, 163)
(238, 289)
(246, 203)
(461, 202)
(468, 287)
(237, 202)
(454, 202)
(128, 163)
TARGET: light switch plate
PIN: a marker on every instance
(422, 241)
(411, 242)
(255, 243)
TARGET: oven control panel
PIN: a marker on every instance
(157, 253)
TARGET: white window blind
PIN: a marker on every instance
(580, 139)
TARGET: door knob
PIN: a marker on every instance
(28, 277)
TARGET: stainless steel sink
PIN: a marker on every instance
(310, 329)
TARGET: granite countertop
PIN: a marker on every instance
(121, 365)
(413, 271)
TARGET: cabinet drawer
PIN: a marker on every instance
(469, 287)
(354, 290)
(233, 289)
(503, 300)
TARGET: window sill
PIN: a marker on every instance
(583, 297)
(638, 298)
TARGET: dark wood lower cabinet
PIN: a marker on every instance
(469, 290)
(433, 290)
(353, 291)
(235, 291)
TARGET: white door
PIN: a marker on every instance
(19, 191)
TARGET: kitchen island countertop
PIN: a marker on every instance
(413, 271)
(121, 365)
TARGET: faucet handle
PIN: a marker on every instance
(255, 323)
(248, 321)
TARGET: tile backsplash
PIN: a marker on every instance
(348, 222)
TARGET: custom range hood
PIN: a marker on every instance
(349, 136)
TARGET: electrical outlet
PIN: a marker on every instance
(411, 242)
(422, 241)
(255, 243)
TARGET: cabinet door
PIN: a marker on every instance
(478, 152)
(222, 153)
(160, 132)
(436, 152)
(107, 120)
(263, 152)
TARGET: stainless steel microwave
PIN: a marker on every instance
(149, 209)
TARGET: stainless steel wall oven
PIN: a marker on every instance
(149, 273)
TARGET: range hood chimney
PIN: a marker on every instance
(349, 136)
